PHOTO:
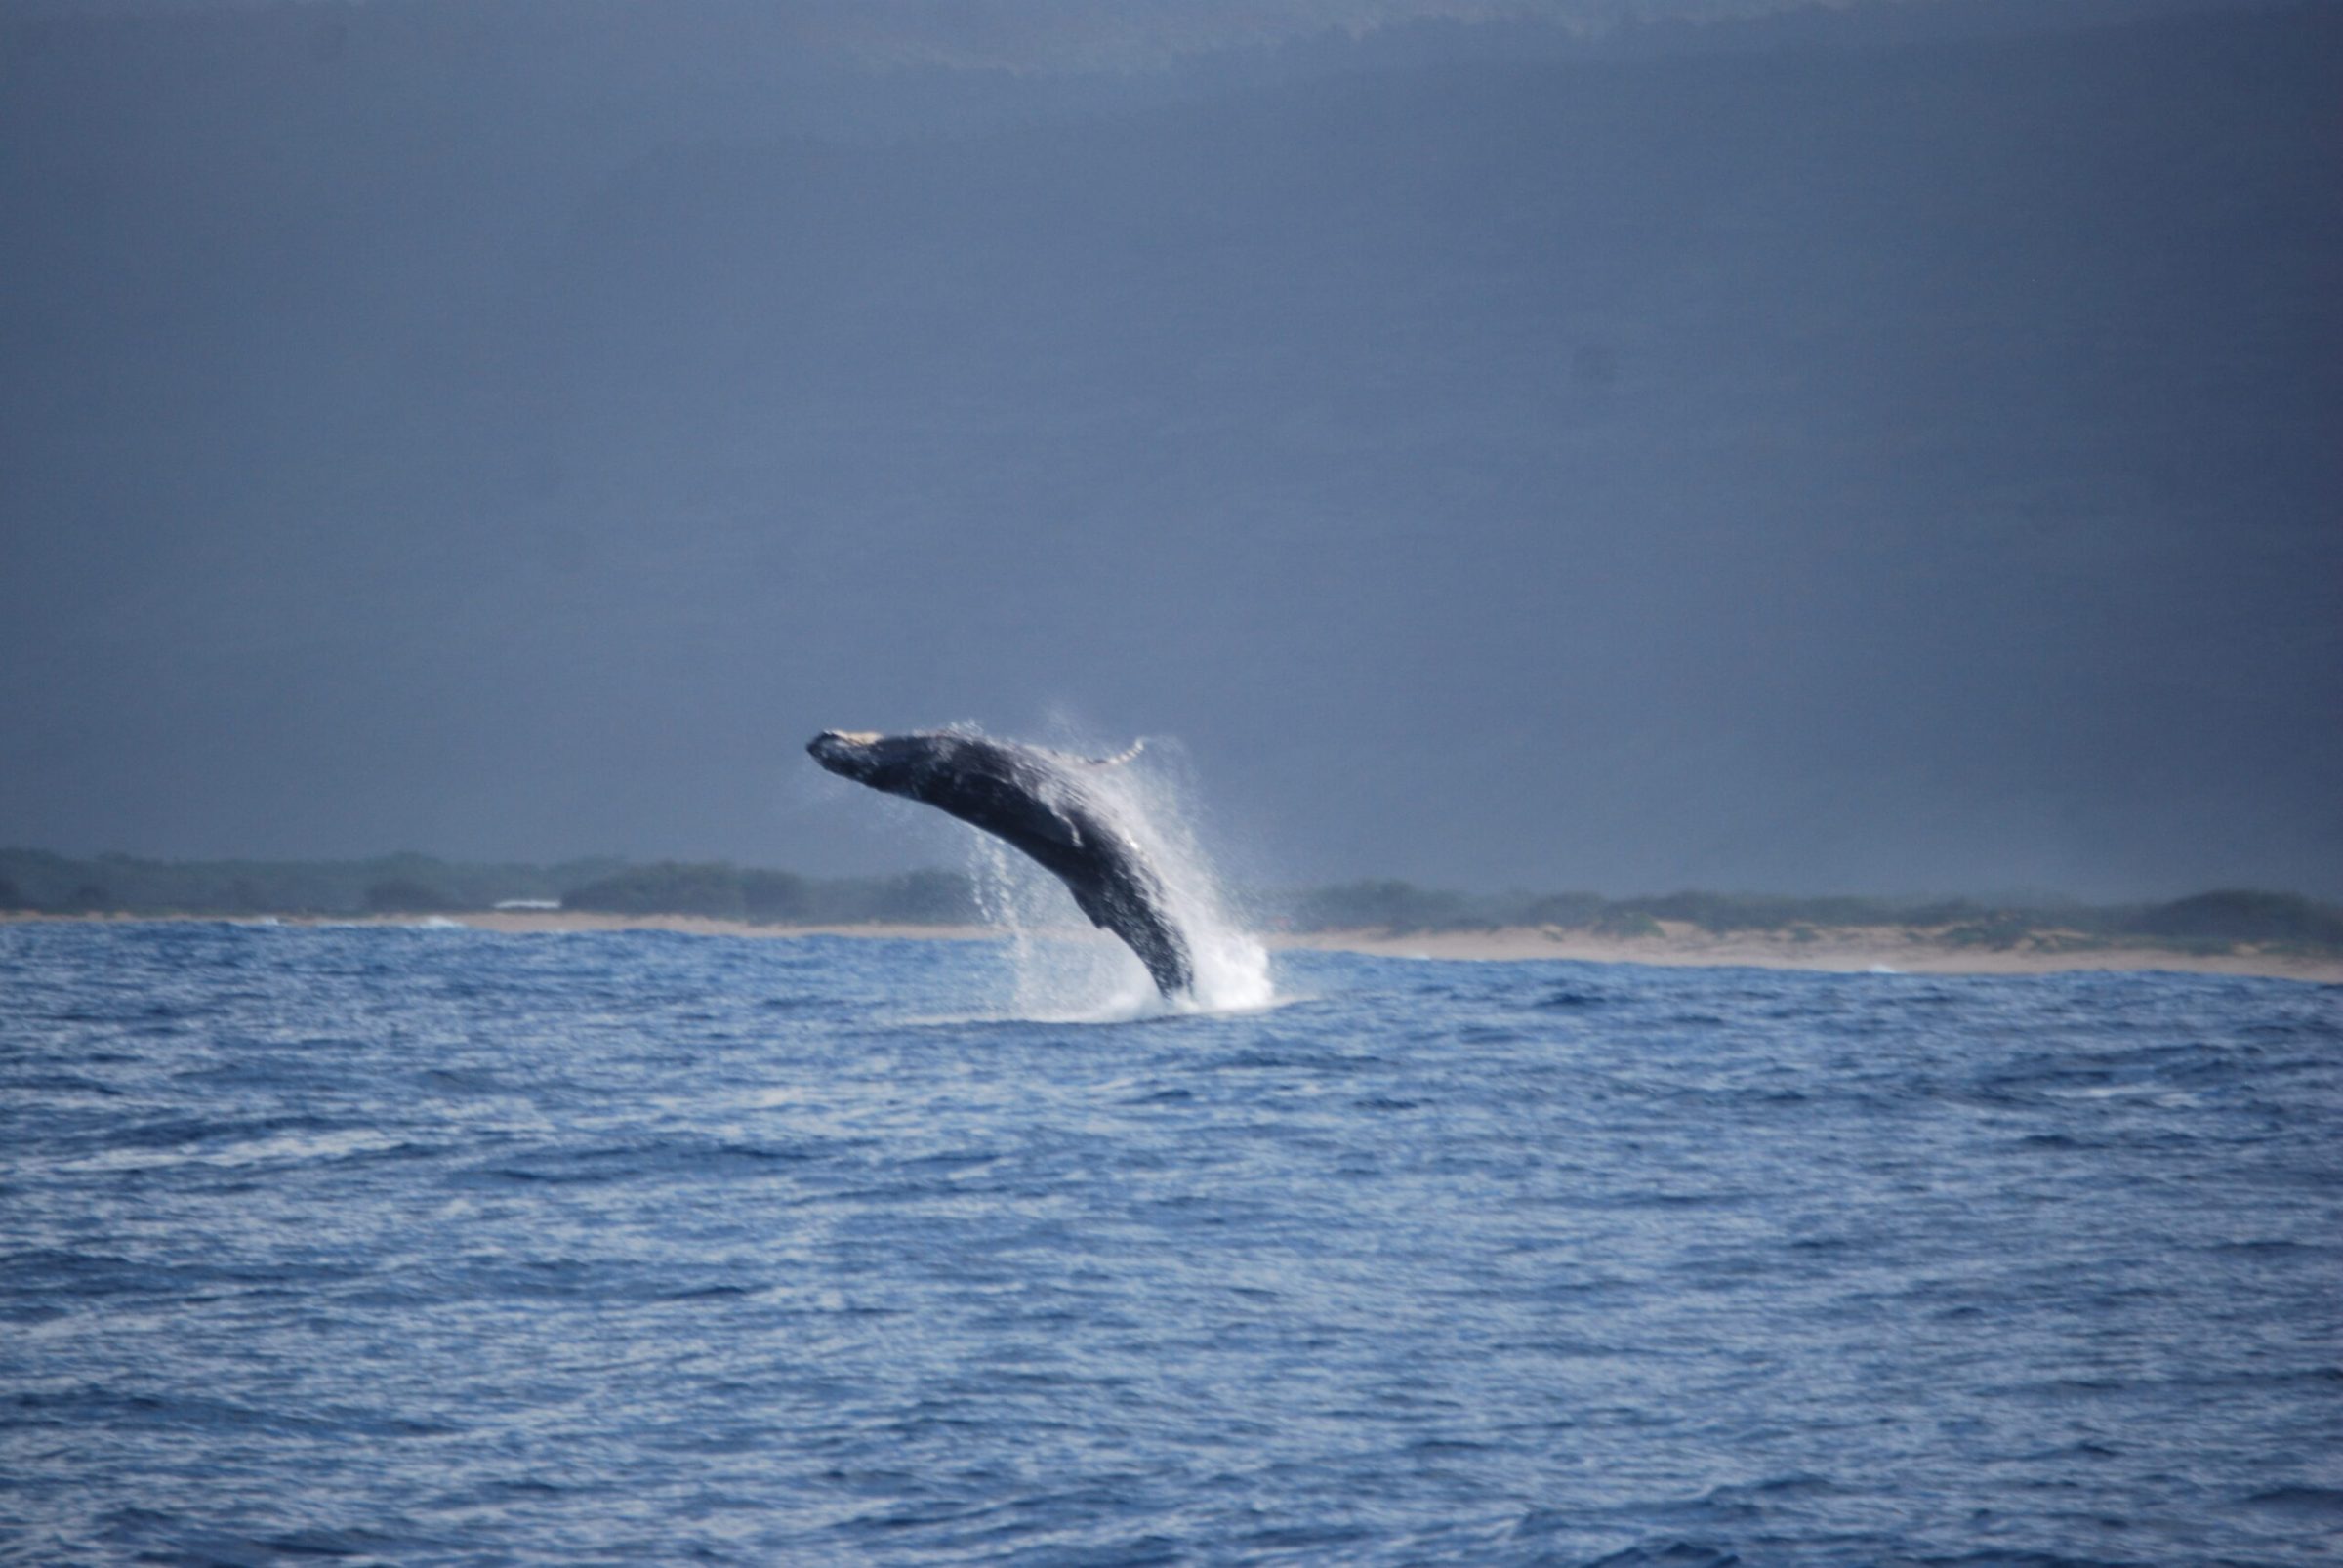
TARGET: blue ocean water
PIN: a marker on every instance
(443, 1246)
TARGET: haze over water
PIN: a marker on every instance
(1877, 448)
(441, 1245)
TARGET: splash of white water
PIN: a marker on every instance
(1062, 970)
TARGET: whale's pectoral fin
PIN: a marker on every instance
(1144, 931)
(1094, 904)
(1119, 758)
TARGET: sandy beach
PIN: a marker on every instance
(1845, 950)
(1851, 949)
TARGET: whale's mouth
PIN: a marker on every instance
(844, 751)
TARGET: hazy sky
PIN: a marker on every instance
(1879, 448)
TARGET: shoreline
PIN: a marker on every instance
(1845, 950)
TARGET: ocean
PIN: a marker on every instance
(423, 1245)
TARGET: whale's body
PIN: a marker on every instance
(1040, 803)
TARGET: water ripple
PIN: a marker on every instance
(429, 1245)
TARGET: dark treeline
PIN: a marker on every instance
(782, 897)
(409, 884)
(2209, 920)
(32, 880)
(37, 881)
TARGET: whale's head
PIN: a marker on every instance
(852, 753)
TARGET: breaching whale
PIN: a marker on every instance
(1039, 801)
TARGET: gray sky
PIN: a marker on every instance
(1882, 448)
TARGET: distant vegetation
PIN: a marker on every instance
(2245, 916)
(2207, 922)
(398, 884)
(36, 882)
(781, 897)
